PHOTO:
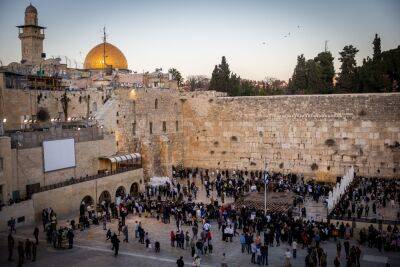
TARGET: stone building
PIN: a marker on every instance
(32, 36)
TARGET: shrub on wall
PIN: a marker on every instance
(330, 142)
(362, 113)
(43, 115)
(314, 166)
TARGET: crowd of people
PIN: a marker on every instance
(255, 230)
(365, 197)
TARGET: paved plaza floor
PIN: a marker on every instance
(92, 249)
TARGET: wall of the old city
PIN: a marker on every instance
(137, 109)
(18, 103)
(65, 201)
(28, 164)
(319, 135)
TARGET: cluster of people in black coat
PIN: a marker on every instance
(26, 250)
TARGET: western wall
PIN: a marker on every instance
(316, 135)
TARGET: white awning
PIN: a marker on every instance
(123, 158)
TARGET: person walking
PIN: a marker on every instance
(346, 248)
(336, 262)
(223, 261)
(196, 261)
(287, 258)
(10, 246)
(105, 222)
(11, 224)
(34, 250)
(125, 232)
(70, 236)
(115, 242)
(338, 248)
(294, 249)
(180, 262)
(20, 253)
(28, 249)
(36, 235)
(264, 254)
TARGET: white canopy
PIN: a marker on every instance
(126, 157)
(156, 181)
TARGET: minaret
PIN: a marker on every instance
(104, 47)
(31, 36)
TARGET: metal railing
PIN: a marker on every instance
(87, 178)
(364, 220)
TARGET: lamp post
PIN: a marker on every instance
(266, 180)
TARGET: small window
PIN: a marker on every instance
(164, 126)
(1, 164)
(117, 121)
(134, 128)
(151, 127)
(176, 126)
(156, 103)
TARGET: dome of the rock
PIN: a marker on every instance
(113, 57)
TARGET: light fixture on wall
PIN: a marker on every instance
(4, 120)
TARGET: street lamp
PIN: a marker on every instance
(266, 180)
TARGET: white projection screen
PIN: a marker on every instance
(58, 154)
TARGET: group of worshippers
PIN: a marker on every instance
(57, 235)
(27, 250)
(366, 196)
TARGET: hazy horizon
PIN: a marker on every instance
(192, 36)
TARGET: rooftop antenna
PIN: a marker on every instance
(326, 45)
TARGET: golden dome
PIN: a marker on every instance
(113, 57)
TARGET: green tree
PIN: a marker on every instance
(176, 75)
(347, 79)
(372, 74)
(224, 75)
(313, 75)
(215, 79)
(327, 70)
(298, 83)
(377, 47)
(235, 88)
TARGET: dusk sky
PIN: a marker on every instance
(193, 35)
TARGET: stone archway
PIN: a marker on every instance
(86, 201)
(134, 189)
(120, 192)
(105, 196)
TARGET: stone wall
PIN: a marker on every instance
(23, 209)
(137, 109)
(319, 135)
(65, 201)
(28, 167)
(17, 103)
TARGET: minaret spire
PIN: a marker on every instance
(104, 47)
